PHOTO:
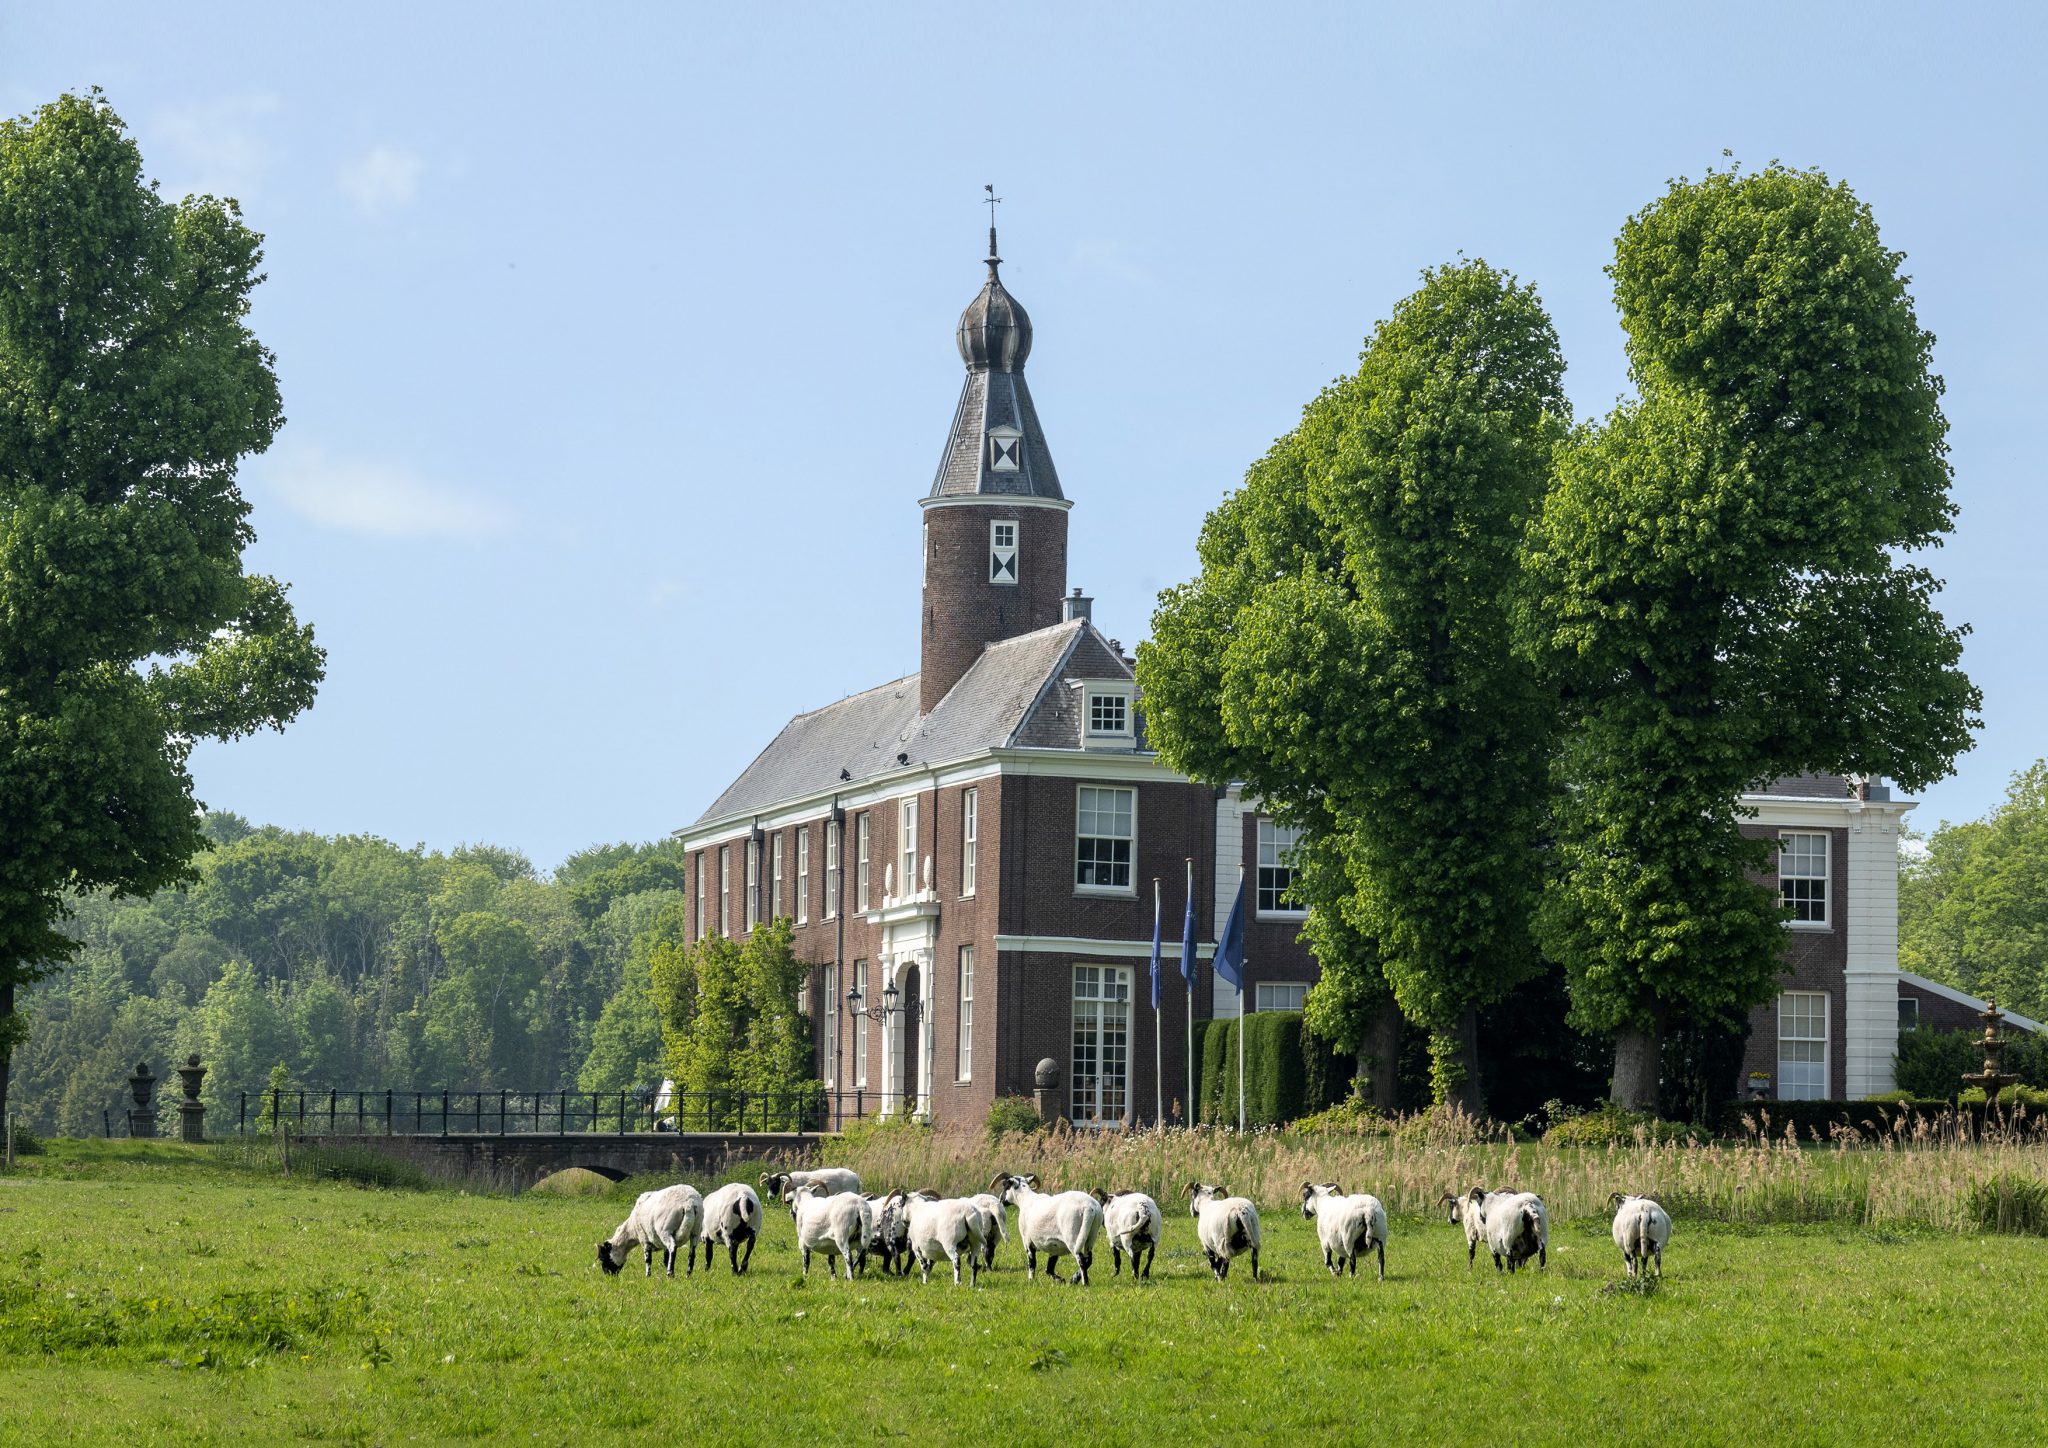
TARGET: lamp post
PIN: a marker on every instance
(860, 1008)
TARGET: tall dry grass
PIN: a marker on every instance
(1916, 1174)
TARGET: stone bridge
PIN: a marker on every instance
(523, 1158)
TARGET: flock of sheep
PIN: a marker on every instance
(837, 1220)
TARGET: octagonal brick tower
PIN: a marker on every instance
(995, 521)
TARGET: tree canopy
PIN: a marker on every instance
(131, 388)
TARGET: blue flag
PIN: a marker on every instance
(1230, 950)
(1155, 945)
(1187, 936)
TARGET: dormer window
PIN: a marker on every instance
(1002, 551)
(1005, 449)
(1106, 716)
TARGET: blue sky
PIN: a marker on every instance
(617, 341)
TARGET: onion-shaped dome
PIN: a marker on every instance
(995, 330)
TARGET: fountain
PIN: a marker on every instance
(1991, 1078)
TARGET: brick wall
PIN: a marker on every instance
(962, 610)
(1815, 960)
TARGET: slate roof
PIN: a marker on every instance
(995, 338)
(1011, 696)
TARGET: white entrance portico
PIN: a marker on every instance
(910, 935)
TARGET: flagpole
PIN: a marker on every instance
(1187, 973)
(1158, 1051)
(1240, 1019)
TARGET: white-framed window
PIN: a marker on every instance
(831, 1032)
(1002, 551)
(1105, 831)
(1102, 1045)
(703, 901)
(860, 1023)
(753, 884)
(803, 875)
(860, 862)
(775, 877)
(831, 869)
(725, 890)
(1909, 1013)
(1803, 1046)
(1276, 870)
(906, 849)
(963, 1068)
(1279, 995)
(1803, 876)
(970, 822)
(1005, 448)
(1108, 713)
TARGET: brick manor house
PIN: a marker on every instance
(967, 852)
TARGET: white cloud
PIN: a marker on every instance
(382, 179)
(1110, 259)
(383, 500)
(219, 147)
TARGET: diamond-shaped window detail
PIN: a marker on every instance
(1005, 449)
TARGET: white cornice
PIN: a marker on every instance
(1792, 809)
(1087, 945)
(994, 500)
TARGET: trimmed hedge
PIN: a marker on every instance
(1276, 1075)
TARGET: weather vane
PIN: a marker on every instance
(993, 202)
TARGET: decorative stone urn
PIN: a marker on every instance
(191, 1111)
(1045, 1093)
(142, 1119)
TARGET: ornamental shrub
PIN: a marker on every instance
(1611, 1125)
(1013, 1114)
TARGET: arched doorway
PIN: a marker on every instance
(908, 1053)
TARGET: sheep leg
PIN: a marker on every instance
(650, 1260)
(1383, 1261)
(1030, 1263)
(1471, 1253)
(746, 1261)
(954, 1258)
(1116, 1263)
(1087, 1260)
(1543, 1255)
(1255, 1264)
(1151, 1253)
(807, 1261)
(1052, 1265)
(1660, 1261)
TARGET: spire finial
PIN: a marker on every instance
(993, 202)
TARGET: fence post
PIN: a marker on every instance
(501, 1111)
(444, 1113)
(388, 1094)
(242, 1115)
(330, 1110)
(419, 1114)
(562, 1115)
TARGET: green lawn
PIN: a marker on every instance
(159, 1298)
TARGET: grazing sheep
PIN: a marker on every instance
(1348, 1227)
(949, 1227)
(1641, 1228)
(994, 1232)
(1469, 1212)
(1225, 1226)
(785, 1184)
(1134, 1225)
(662, 1218)
(732, 1215)
(889, 1237)
(1055, 1223)
(1516, 1229)
(838, 1225)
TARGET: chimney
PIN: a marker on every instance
(1077, 605)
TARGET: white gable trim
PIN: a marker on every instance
(1963, 998)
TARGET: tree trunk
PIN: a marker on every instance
(1469, 1096)
(6, 1046)
(1638, 1066)
(1379, 1056)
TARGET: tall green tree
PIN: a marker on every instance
(130, 390)
(729, 1016)
(1973, 909)
(1720, 590)
(1347, 650)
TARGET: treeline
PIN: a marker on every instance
(357, 963)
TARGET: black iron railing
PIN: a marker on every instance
(480, 1111)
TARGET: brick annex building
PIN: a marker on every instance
(967, 853)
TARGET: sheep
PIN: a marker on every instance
(1133, 1223)
(994, 1231)
(890, 1237)
(666, 1217)
(1641, 1228)
(784, 1184)
(732, 1215)
(949, 1227)
(1348, 1227)
(1225, 1226)
(1516, 1229)
(1469, 1212)
(1055, 1223)
(837, 1224)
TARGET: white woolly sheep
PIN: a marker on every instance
(1348, 1226)
(948, 1227)
(784, 1184)
(1516, 1229)
(994, 1230)
(1225, 1226)
(732, 1216)
(838, 1225)
(1641, 1228)
(1134, 1224)
(1055, 1223)
(663, 1218)
(1469, 1212)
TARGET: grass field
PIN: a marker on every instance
(163, 1295)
